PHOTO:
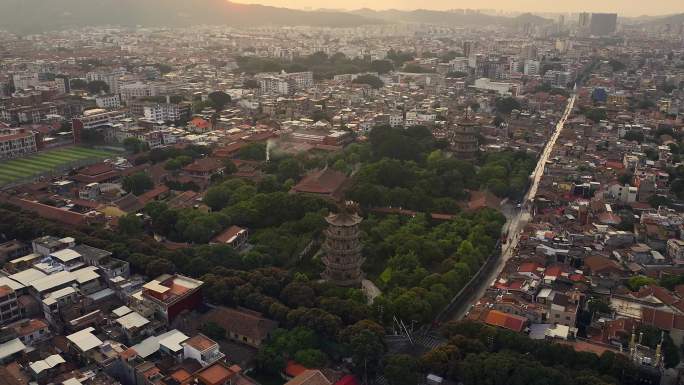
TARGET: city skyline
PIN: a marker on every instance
(629, 8)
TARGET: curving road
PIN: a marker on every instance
(517, 218)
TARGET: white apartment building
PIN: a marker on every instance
(24, 81)
(111, 78)
(284, 83)
(17, 142)
(502, 88)
(396, 120)
(167, 112)
(136, 90)
(110, 101)
(532, 67)
(100, 120)
(625, 194)
(274, 85)
(460, 64)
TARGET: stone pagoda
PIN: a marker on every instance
(342, 248)
(463, 138)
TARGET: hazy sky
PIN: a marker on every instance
(623, 7)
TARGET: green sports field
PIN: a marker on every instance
(47, 161)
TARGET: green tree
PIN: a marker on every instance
(625, 178)
(416, 69)
(97, 86)
(456, 75)
(311, 358)
(635, 283)
(381, 66)
(213, 331)
(78, 84)
(134, 145)
(506, 105)
(401, 369)
(371, 80)
(230, 167)
(158, 267)
(289, 168)
(130, 225)
(367, 349)
(251, 84)
(253, 151)
(219, 100)
(217, 197)
(634, 136)
(137, 183)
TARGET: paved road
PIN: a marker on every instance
(517, 218)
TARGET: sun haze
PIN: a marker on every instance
(623, 7)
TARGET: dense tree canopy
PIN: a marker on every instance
(137, 183)
(371, 80)
(219, 100)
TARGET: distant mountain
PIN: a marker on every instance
(30, 16)
(456, 17)
(673, 20)
(528, 18)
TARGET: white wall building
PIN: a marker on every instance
(531, 67)
(17, 142)
(110, 101)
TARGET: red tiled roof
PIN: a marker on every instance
(242, 322)
(261, 136)
(348, 380)
(227, 235)
(326, 181)
(153, 194)
(4, 138)
(200, 123)
(679, 290)
(293, 369)
(529, 267)
(229, 150)
(615, 165)
(663, 295)
(506, 321)
(553, 271)
(598, 264)
(663, 320)
(204, 165)
(96, 169)
(49, 212)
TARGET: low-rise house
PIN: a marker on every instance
(13, 249)
(512, 322)
(309, 377)
(242, 325)
(30, 331)
(202, 349)
(234, 236)
(169, 295)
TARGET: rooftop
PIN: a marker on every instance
(85, 339)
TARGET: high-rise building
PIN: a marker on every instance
(468, 48)
(532, 67)
(529, 51)
(603, 24)
(584, 20)
(343, 258)
(561, 23)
